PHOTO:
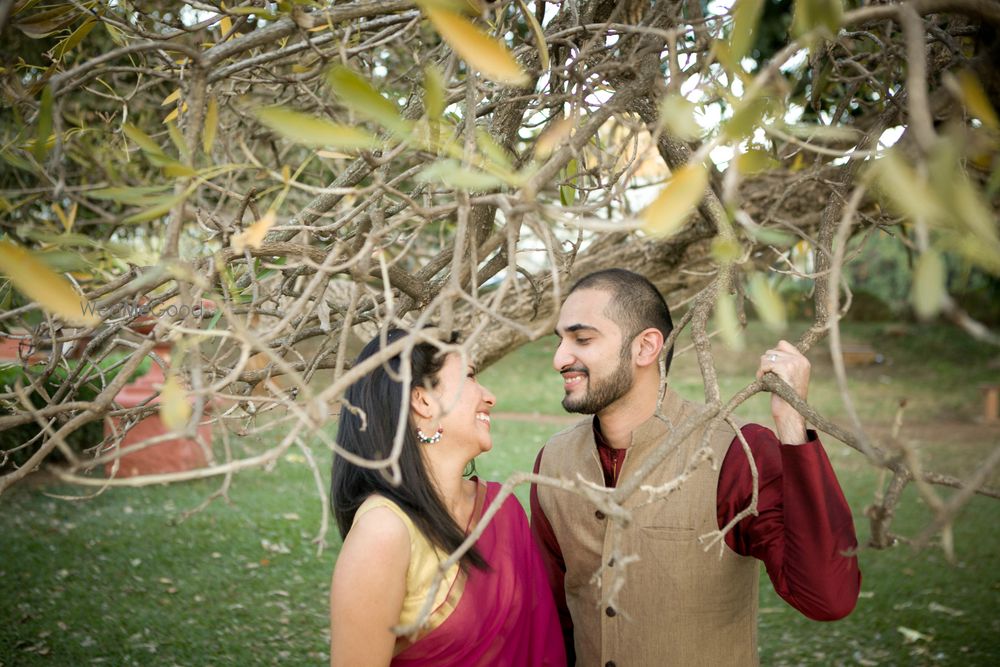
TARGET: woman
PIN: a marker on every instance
(493, 608)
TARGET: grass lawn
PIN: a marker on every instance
(118, 580)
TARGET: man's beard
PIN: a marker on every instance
(601, 394)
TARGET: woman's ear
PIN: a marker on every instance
(421, 403)
(650, 344)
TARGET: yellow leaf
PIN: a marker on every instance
(286, 174)
(311, 131)
(175, 411)
(554, 135)
(49, 290)
(225, 26)
(483, 53)
(929, 292)
(976, 100)
(679, 197)
(253, 236)
(211, 125)
(66, 220)
(171, 98)
(768, 304)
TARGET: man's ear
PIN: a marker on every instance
(421, 402)
(649, 344)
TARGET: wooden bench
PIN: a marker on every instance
(860, 354)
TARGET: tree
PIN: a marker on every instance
(307, 170)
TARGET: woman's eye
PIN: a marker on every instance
(582, 341)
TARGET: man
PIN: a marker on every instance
(680, 605)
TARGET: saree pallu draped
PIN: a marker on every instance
(506, 615)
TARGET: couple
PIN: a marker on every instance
(517, 601)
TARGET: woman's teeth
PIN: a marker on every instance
(483, 417)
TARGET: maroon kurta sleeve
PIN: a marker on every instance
(555, 566)
(804, 524)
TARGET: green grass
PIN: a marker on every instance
(118, 580)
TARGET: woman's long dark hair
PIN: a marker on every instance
(379, 395)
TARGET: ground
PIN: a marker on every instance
(119, 579)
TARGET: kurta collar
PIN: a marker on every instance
(653, 429)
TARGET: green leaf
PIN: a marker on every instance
(143, 140)
(493, 151)
(811, 14)
(68, 44)
(311, 131)
(774, 237)
(746, 18)
(137, 195)
(727, 322)
(434, 93)
(747, 115)
(357, 94)
(567, 191)
(676, 201)
(726, 250)
(44, 124)
(905, 191)
(15, 160)
(156, 211)
(755, 161)
(769, 305)
(453, 174)
(677, 115)
(928, 292)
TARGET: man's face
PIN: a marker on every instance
(590, 357)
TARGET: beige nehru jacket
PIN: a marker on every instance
(680, 605)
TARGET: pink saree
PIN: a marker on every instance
(506, 616)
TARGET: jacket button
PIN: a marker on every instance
(600, 515)
(610, 611)
(611, 563)
(610, 663)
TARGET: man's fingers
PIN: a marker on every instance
(785, 346)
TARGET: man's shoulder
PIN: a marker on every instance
(569, 435)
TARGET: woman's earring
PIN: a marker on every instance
(429, 440)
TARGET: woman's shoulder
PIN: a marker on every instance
(381, 520)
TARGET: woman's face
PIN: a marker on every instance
(462, 406)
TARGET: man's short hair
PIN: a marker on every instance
(635, 305)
